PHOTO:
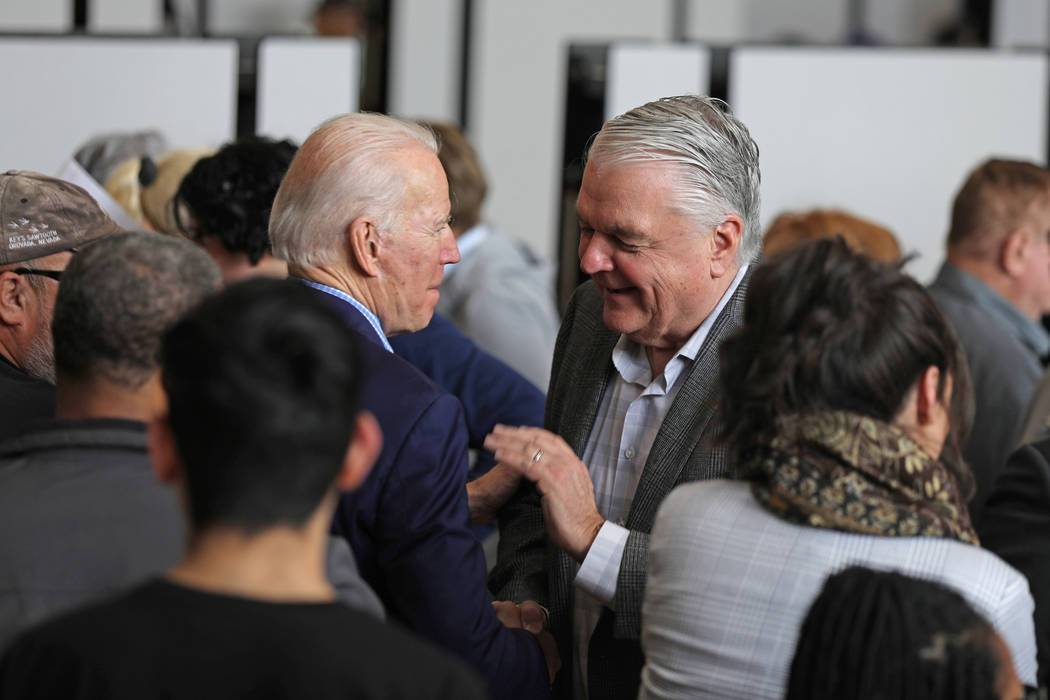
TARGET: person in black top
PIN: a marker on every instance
(262, 432)
(1016, 526)
(81, 515)
(42, 221)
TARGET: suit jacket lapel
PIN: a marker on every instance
(689, 418)
(583, 406)
(591, 361)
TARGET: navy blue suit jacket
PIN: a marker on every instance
(408, 524)
(490, 390)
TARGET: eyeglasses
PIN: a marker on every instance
(53, 274)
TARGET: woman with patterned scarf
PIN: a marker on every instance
(845, 398)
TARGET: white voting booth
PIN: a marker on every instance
(63, 91)
(303, 81)
(888, 134)
(640, 73)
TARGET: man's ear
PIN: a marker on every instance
(1013, 252)
(365, 244)
(162, 451)
(365, 444)
(725, 243)
(13, 301)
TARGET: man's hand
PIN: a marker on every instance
(508, 613)
(487, 494)
(531, 616)
(572, 518)
(550, 654)
(527, 614)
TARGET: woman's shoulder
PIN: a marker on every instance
(686, 498)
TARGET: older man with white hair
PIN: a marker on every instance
(668, 214)
(362, 217)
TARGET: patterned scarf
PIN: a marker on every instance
(844, 471)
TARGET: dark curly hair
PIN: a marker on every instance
(829, 329)
(877, 634)
(230, 194)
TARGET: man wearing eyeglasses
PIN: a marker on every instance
(42, 221)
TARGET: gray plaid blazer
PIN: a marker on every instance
(528, 568)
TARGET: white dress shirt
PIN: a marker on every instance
(630, 415)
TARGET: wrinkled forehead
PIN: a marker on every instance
(642, 183)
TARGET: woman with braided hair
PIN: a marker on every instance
(871, 635)
(845, 398)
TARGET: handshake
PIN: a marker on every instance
(531, 616)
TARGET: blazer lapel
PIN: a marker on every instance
(689, 418)
(582, 407)
(572, 411)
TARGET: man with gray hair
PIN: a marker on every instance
(668, 214)
(362, 217)
(42, 221)
(80, 513)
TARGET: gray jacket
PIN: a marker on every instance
(1004, 368)
(529, 568)
(81, 516)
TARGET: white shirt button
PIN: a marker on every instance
(629, 453)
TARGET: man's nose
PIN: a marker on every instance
(449, 249)
(594, 255)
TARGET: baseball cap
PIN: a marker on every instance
(42, 215)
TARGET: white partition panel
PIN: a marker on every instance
(426, 51)
(640, 73)
(517, 97)
(66, 90)
(887, 134)
(36, 15)
(302, 82)
(1021, 23)
(257, 17)
(732, 21)
(126, 16)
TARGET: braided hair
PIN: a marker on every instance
(829, 329)
(874, 635)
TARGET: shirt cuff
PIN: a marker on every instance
(601, 566)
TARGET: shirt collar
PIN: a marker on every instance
(372, 319)
(1032, 334)
(629, 357)
(467, 242)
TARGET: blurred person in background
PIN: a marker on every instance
(223, 203)
(1016, 526)
(791, 228)
(146, 186)
(995, 286)
(498, 294)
